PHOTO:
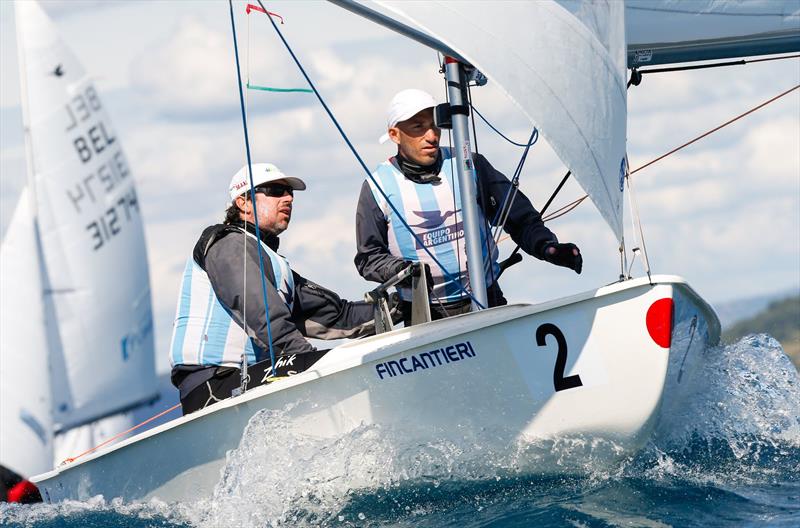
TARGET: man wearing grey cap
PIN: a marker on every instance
(221, 313)
(420, 182)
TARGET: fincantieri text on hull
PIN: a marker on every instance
(425, 360)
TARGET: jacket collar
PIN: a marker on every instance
(420, 173)
(272, 241)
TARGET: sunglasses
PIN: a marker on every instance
(275, 190)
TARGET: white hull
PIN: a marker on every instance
(497, 387)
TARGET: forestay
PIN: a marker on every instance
(669, 31)
(562, 63)
(91, 236)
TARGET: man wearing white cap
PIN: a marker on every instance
(420, 181)
(221, 313)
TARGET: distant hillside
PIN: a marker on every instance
(731, 312)
(781, 320)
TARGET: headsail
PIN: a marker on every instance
(26, 423)
(563, 63)
(91, 235)
(669, 31)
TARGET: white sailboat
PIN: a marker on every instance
(599, 366)
(76, 334)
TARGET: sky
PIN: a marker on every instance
(723, 213)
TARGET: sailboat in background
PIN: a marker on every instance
(520, 381)
(76, 332)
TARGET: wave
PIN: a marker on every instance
(732, 444)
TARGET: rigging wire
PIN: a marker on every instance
(363, 165)
(508, 200)
(252, 188)
(512, 257)
(569, 207)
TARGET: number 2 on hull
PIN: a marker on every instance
(559, 381)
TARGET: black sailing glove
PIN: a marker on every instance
(407, 282)
(394, 303)
(567, 255)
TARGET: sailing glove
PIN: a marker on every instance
(567, 255)
(394, 303)
(408, 281)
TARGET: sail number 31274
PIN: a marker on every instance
(560, 382)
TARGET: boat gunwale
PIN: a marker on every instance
(426, 334)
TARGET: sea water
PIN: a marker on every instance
(730, 456)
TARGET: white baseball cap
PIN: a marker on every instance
(262, 173)
(405, 105)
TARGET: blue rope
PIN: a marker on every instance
(252, 190)
(361, 162)
(530, 141)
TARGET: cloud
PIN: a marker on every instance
(773, 154)
(68, 8)
(723, 212)
(191, 74)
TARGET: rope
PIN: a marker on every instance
(252, 186)
(564, 210)
(118, 435)
(714, 65)
(278, 90)
(723, 125)
(449, 276)
(577, 202)
(530, 144)
(544, 219)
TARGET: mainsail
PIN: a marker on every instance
(562, 63)
(670, 31)
(94, 290)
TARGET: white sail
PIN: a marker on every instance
(564, 65)
(26, 424)
(91, 235)
(669, 31)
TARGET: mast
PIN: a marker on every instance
(456, 81)
(456, 87)
(26, 119)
